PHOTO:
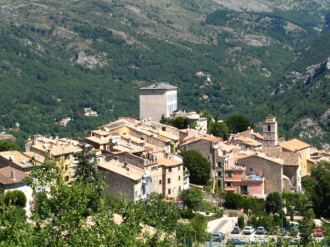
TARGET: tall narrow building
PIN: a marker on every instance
(270, 132)
(158, 99)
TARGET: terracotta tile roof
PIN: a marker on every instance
(294, 145)
(134, 139)
(263, 156)
(170, 161)
(57, 150)
(101, 132)
(164, 134)
(134, 173)
(258, 135)
(5, 174)
(214, 139)
(248, 141)
(20, 159)
(98, 140)
(290, 159)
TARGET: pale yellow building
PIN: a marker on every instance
(61, 150)
(304, 150)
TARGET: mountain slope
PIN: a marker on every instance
(301, 97)
(58, 58)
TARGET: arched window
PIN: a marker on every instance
(268, 127)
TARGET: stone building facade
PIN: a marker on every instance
(207, 147)
(270, 135)
(157, 99)
(268, 168)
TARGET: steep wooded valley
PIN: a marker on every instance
(59, 57)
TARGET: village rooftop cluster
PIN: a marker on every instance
(140, 156)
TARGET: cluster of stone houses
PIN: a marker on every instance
(140, 156)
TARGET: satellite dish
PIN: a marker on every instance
(45, 145)
(147, 173)
(74, 143)
(149, 118)
(57, 138)
(107, 130)
(113, 141)
(12, 157)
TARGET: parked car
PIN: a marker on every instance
(218, 236)
(236, 241)
(293, 231)
(294, 224)
(282, 232)
(257, 239)
(260, 230)
(248, 230)
(319, 232)
(236, 230)
(271, 230)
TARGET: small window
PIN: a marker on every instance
(169, 191)
(153, 91)
(224, 153)
(179, 178)
(170, 169)
(160, 181)
(179, 188)
(178, 168)
(67, 178)
(219, 183)
(168, 180)
(268, 127)
(251, 170)
(163, 128)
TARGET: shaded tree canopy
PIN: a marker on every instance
(198, 166)
(273, 202)
(238, 123)
(8, 146)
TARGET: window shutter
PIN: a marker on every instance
(231, 184)
(232, 174)
(248, 189)
(216, 164)
(221, 164)
(226, 174)
(239, 189)
(221, 174)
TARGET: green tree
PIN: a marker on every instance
(15, 197)
(197, 228)
(321, 197)
(233, 200)
(320, 169)
(86, 167)
(240, 222)
(156, 212)
(198, 166)
(273, 203)
(192, 198)
(179, 122)
(238, 123)
(220, 130)
(8, 146)
(308, 183)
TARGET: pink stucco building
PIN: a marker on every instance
(243, 182)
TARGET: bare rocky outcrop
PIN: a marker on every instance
(310, 128)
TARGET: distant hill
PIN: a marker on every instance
(301, 98)
(58, 58)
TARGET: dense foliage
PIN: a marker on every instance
(273, 202)
(16, 198)
(192, 198)
(199, 168)
(8, 146)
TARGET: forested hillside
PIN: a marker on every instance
(57, 58)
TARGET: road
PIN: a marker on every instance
(247, 238)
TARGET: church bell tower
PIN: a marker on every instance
(270, 132)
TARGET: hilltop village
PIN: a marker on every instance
(141, 156)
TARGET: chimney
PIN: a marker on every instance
(51, 145)
(156, 84)
(70, 141)
(129, 140)
(49, 154)
(12, 175)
